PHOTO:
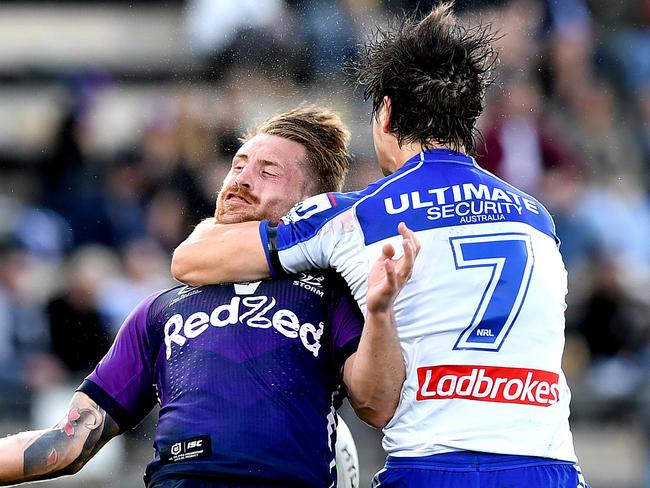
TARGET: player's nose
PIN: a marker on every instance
(245, 176)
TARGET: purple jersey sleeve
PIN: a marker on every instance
(122, 382)
(347, 322)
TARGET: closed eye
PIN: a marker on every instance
(270, 168)
(238, 163)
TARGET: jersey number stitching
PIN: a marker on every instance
(510, 256)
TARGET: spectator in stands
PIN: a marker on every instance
(78, 336)
(521, 143)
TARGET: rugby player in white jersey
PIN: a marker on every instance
(481, 323)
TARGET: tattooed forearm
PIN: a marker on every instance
(109, 429)
(64, 449)
(66, 442)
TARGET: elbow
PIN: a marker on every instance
(375, 418)
(375, 412)
(378, 421)
(376, 407)
(180, 268)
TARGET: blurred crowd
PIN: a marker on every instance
(88, 221)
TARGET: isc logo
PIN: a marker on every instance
(198, 447)
(179, 447)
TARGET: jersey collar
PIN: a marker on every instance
(440, 156)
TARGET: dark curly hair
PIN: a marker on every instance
(435, 72)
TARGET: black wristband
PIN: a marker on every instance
(272, 239)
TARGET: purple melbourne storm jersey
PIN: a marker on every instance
(248, 377)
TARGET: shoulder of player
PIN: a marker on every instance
(334, 285)
(160, 300)
(335, 280)
(316, 283)
(328, 277)
(319, 209)
(539, 208)
(511, 188)
(173, 300)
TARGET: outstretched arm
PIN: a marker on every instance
(375, 373)
(61, 450)
(218, 253)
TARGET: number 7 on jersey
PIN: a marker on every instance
(510, 257)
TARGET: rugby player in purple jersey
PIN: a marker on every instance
(248, 376)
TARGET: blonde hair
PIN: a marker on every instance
(324, 136)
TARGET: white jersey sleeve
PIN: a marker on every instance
(481, 322)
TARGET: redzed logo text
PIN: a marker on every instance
(488, 384)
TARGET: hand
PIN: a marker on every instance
(388, 276)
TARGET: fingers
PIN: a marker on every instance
(398, 271)
(411, 246)
(407, 233)
(407, 261)
(403, 229)
(388, 275)
(388, 251)
(389, 267)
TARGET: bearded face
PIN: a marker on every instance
(266, 179)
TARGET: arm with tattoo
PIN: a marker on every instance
(61, 450)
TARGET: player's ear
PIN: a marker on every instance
(386, 114)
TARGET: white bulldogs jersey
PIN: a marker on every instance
(481, 322)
